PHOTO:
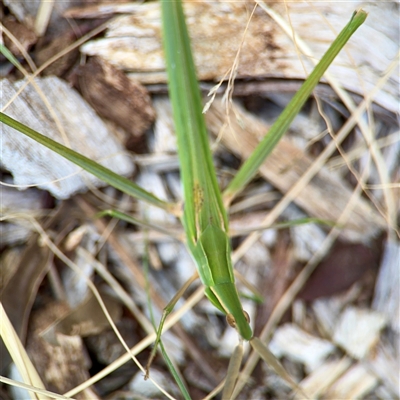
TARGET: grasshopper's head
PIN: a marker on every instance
(242, 327)
(225, 297)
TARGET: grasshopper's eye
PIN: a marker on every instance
(231, 320)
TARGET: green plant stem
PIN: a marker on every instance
(281, 125)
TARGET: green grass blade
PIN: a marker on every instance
(135, 221)
(283, 225)
(175, 373)
(103, 173)
(170, 364)
(10, 57)
(196, 164)
(204, 217)
(281, 125)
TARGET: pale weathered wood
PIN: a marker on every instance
(324, 197)
(387, 294)
(133, 42)
(33, 164)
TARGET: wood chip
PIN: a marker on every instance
(387, 294)
(12, 204)
(139, 387)
(32, 164)
(165, 140)
(25, 36)
(62, 367)
(316, 383)
(358, 330)
(133, 43)
(115, 97)
(384, 362)
(306, 238)
(45, 51)
(76, 285)
(327, 312)
(153, 182)
(26, 12)
(86, 319)
(325, 196)
(354, 384)
(291, 341)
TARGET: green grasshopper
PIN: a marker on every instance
(204, 215)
